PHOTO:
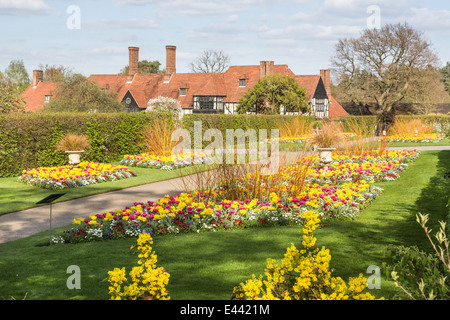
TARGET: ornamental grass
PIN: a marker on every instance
(329, 136)
(73, 142)
(413, 130)
(157, 138)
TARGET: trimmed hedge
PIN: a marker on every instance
(223, 122)
(28, 140)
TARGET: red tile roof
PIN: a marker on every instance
(336, 110)
(34, 97)
(149, 86)
(309, 82)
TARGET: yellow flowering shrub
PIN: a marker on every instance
(146, 281)
(302, 275)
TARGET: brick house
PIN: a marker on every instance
(196, 92)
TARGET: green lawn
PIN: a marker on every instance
(208, 265)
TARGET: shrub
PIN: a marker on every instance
(147, 282)
(419, 275)
(317, 125)
(302, 275)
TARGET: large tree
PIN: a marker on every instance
(211, 62)
(78, 94)
(17, 75)
(272, 92)
(380, 68)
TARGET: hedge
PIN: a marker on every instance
(223, 122)
(28, 140)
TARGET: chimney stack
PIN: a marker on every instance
(265, 68)
(38, 76)
(171, 59)
(325, 75)
(133, 55)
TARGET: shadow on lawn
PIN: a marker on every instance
(435, 198)
(432, 200)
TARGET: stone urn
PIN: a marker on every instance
(74, 156)
(325, 154)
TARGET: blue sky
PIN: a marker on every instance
(300, 33)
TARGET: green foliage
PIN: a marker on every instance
(412, 266)
(420, 275)
(145, 67)
(271, 93)
(17, 75)
(317, 125)
(445, 72)
(51, 156)
(10, 99)
(78, 94)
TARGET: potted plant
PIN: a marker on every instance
(327, 140)
(73, 145)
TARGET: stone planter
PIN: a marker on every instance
(74, 156)
(325, 154)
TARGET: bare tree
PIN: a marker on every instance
(210, 62)
(378, 69)
(53, 73)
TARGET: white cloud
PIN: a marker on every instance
(430, 19)
(126, 24)
(23, 7)
(206, 7)
(110, 50)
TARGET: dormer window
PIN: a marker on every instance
(182, 91)
(47, 99)
(241, 82)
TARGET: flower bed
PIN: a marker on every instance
(342, 198)
(302, 139)
(69, 176)
(432, 137)
(150, 160)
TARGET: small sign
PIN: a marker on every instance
(51, 198)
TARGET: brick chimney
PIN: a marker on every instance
(325, 75)
(38, 76)
(170, 62)
(133, 55)
(265, 68)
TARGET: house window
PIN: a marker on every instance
(182, 91)
(241, 82)
(209, 103)
(47, 99)
(320, 105)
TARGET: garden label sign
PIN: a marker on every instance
(49, 199)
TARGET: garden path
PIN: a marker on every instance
(27, 222)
